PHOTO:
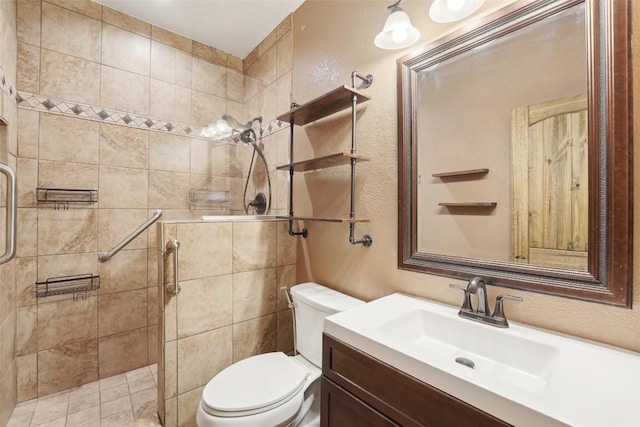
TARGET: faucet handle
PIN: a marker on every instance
(499, 310)
(510, 297)
(466, 303)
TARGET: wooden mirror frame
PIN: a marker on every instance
(609, 275)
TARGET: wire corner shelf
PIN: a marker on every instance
(77, 285)
(62, 197)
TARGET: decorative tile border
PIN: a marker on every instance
(7, 87)
(274, 126)
(105, 115)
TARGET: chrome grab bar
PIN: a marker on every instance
(12, 205)
(172, 247)
(106, 256)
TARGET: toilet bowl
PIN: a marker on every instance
(274, 389)
(264, 390)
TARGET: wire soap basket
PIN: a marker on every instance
(61, 198)
(77, 285)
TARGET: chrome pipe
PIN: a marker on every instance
(366, 239)
(106, 256)
(366, 80)
(290, 170)
(304, 232)
(10, 245)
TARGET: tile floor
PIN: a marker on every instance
(114, 402)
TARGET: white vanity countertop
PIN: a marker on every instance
(585, 384)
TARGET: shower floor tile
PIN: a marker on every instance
(115, 401)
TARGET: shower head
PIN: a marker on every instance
(247, 134)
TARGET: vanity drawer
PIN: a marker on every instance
(341, 408)
(402, 398)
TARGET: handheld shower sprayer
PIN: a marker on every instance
(229, 127)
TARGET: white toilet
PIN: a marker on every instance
(274, 389)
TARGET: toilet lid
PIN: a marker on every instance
(253, 385)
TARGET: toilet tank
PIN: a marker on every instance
(314, 302)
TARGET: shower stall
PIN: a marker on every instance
(105, 142)
(95, 232)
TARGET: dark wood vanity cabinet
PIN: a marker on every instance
(359, 390)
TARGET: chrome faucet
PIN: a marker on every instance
(483, 314)
(477, 286)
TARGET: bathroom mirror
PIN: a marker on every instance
(515, 151)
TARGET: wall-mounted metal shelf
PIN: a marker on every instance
(339, 99)
(67, 285)
(338, 159)
(468, 204)
(310, 218)
(461, 173)
(329, 103)
(61, 198)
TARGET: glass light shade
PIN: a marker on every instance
(397, 32)
(208, 132)
(222, 126)
(218, 130)
(452, 10)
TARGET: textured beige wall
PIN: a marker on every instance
(8, 153)
(326, 51)
(229, 307)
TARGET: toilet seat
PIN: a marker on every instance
(233, 391)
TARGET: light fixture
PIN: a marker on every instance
(398, 31)
(217, 130)
(452, 10)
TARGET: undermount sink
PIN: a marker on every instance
(523, 375)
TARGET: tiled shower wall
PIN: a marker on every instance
(230, 305)
(111, 103)
(8, 153)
